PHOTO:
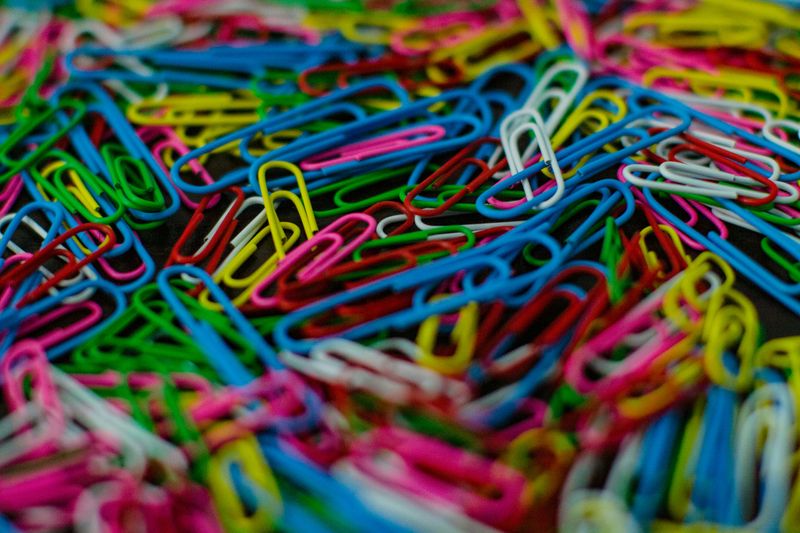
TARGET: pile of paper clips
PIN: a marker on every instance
(399, 265)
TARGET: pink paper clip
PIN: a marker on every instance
(638, 319)
(9, 195)
(328, 247)
(643, 56)
(382, 144)
(7, 293)
(577, 27)
(50, 336)
(276, 396)
(28, 358)
(41, 434)
(437, 472)
(440, 31)
(118, 503)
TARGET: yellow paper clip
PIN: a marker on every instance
(651, 257)
(245, 454)
(303, 204)
(463, 335)
(545, 480)
(741, 85)
(700, 28)
(731, 327)
(196, 110)
(542, 22)
(284, 236)
(682, 480)
(113, 13)
(365, 28)
(506, 43)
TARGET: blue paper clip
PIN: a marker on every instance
(712, 494)
(181, 66)
(208, 340)
(782, 291)
(658, 445)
